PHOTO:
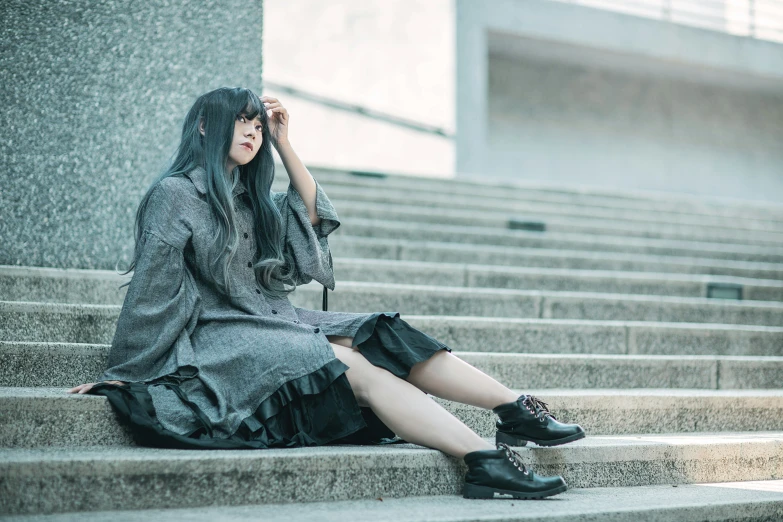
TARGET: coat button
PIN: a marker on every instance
(317, 330)
(245, 235)
(250, 264)
(274, 311)
(258, 291)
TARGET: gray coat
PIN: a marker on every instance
(228, 354)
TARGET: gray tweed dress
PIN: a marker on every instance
(204, 369)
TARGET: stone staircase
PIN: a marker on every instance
(606, 295)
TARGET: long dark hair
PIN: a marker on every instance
(218, 111)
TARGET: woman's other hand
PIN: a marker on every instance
(84, 388)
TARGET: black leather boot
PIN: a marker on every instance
(502, 471)
(529, 419)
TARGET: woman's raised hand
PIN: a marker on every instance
(84, 388)
(278, 119)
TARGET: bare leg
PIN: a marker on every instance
(408, 411)
(447, 376)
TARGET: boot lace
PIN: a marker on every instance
(540, 408)
(514, 457)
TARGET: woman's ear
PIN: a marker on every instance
(201, 127)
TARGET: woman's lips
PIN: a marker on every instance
(248, 147)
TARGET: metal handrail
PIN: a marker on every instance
(358, 109)
(760, 19)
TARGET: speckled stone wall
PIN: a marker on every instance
(93, 95)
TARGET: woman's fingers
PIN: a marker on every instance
(273, 105)
(84, 388)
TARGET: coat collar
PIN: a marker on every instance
(199, 178)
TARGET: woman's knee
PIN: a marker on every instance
(361, 373)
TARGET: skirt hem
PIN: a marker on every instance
(316, 409)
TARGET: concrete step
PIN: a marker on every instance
(51, 480)
(606, 281)
(617, 411)
(56, 285)
(33, 417)
(480, 237)
(56, 323)
(555, 279)
(485, 302)
(21, 318)
(561, 336)
(750, 501)
(25, 321)
(30, 364)
(505, 190)
(403, 213)
(447, 251)
(521, 207)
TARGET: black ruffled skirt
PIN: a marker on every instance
(316, 409)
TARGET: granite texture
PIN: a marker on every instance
(648, 411)
(26, 364)
(40, 417)
(92, 478)
(471, 236)
(694, 339)
(23, 321)
(510, 191)
(89, 479)
(372, 191)
(753, 501)
(78, 323)
(57, 285)
(583, 305)
(94, 97)
(416, 247)
(411, 212)
(103, 286)
(52, 322)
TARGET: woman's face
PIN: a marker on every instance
(247, 141)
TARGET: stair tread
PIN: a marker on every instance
(624, 503)
(605, 447)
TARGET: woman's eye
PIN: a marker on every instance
(260, 128)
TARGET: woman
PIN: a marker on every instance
(210, 353)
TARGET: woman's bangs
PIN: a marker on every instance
(252, 106)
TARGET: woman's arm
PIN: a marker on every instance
(300, 178)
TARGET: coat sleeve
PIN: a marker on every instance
(308, 244)
(161, 306)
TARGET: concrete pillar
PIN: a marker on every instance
(93, 97)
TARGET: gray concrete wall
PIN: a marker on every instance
(568, 94)
(93, 97)
(576, 124)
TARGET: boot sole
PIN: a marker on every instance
(514, 440)
(486, 492)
